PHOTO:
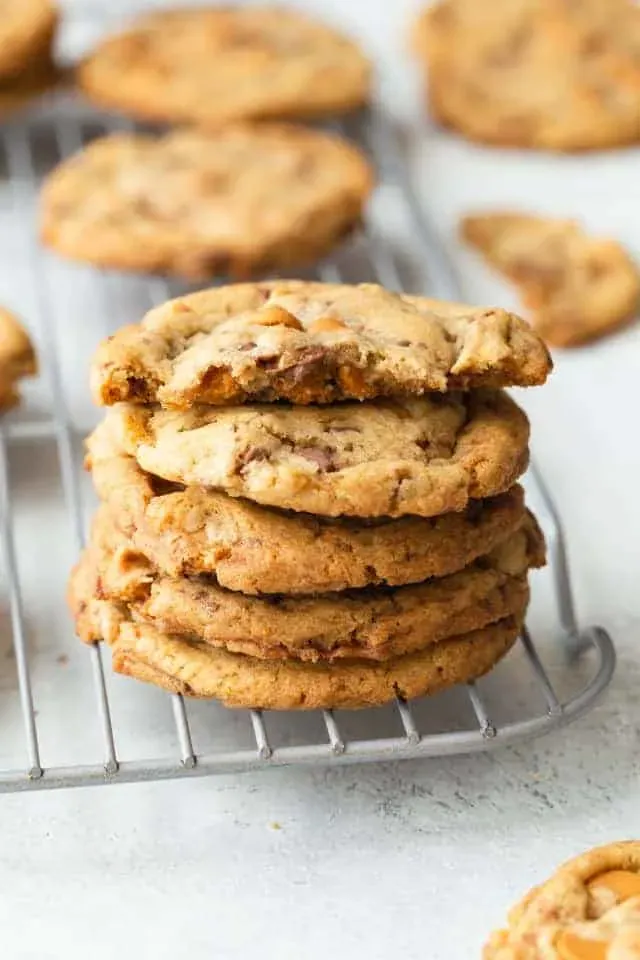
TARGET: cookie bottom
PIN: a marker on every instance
(197, 670)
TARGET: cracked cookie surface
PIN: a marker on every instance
(374, 624)
(212, 66)
(200, 670)
(424, 456)
(578, 288)
(195, 530)
(312, 343)
(547, 74)
(588, 910)
(238, 201)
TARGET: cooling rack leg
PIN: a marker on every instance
(260, 733)
(408, 723)
(482, 714)
(338, 745)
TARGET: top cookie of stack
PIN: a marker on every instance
(312, 343)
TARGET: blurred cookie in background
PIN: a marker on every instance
(17, 358)
(27, 66)
(545, 74)
(578, 288)
(211, 65)
(245, 199)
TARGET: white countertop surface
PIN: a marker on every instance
(414, 859)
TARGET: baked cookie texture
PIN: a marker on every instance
(588, 910)
(239, 201)
(214, 65)
(312, 343)
(546, 74)
(196, 530)
(27, 29)
(17, 358)
(375, 624)
(425, 456)
(578, 288)
(196, 669)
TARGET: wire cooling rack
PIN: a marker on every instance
(63, 724)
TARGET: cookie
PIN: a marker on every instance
(542, 74)
(372, 624)
(17, 93)
(588, 910)
(424, 456)
(577, 288)
(239, 201)
(200, 670)
(259, 550)
(212, 66)
(312, 343)
(17, 358)
(27, 29)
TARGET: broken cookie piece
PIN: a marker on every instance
(578, 288)
(17, 358)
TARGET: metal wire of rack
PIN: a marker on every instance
(407, 738)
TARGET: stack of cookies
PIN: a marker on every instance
(27, 33)
(309, 495)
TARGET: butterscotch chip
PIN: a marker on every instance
(218, 351)
(26, 33)
(578, 288)
(245, 199)
(17, 358)
(534, 73)
(197, 669)
(211, 66)
(276, 316)
(366, 624)
(424, 456)
(588, 910)
(195, 530)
